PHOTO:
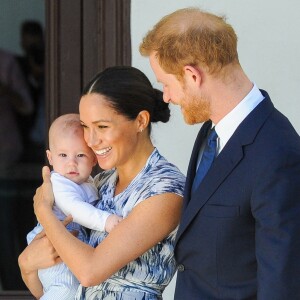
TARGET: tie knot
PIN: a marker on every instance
(212, 137)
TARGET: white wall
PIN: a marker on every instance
(269, 51)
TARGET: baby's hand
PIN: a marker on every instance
(111, 222)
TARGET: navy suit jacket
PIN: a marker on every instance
(239, 235)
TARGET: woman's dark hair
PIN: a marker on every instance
(129, 92)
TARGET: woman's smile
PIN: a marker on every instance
(103, 152)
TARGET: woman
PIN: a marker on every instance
(135, 261)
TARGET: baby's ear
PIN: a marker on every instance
(49, 156)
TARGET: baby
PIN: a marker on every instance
(75, 194)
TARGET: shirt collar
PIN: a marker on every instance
(227, 126)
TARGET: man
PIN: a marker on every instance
(32, 66)
(14, 99)
(239, 236)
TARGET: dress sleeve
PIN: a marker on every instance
(166, 179)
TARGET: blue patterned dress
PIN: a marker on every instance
(146, 277)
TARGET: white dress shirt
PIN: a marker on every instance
(227, 126)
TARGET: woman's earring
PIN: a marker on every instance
(141, 129)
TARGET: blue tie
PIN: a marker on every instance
(208, 156)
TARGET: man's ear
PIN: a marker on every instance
(193, 74)
(49, 156)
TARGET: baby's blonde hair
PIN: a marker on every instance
(64, 124)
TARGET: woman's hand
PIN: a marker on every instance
(39, 254)
(43, 198)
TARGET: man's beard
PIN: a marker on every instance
(195, 109)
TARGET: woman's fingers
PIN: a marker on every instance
(67, 220)
(44, 194)
(46, 174)
(40, 235)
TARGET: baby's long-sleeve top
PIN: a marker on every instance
(77, 200)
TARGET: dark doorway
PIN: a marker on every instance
(22, 124)
(82, 37)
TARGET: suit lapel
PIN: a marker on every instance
(220, 169)
(223, 165)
